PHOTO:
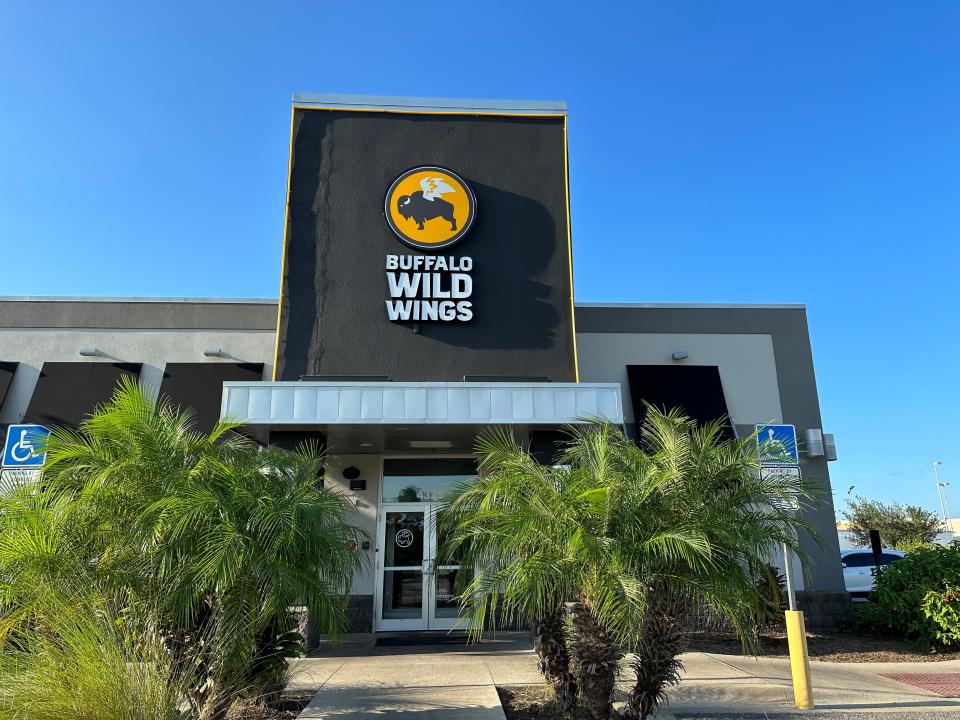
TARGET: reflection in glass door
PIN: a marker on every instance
(443, 609)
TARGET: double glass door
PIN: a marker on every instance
(413, 591)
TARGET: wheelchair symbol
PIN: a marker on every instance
(22, 446)
(22, 449)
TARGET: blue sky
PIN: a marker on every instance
(720, 152)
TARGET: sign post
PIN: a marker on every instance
(779, 455)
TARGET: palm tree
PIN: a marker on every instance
(540, 540)
(207, 538)
(710, 488)
(535, 535)
(631, 537)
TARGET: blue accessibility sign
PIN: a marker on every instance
(778, 445)
(22, 447)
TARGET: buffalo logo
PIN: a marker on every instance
(430, 207)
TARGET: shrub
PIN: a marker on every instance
(868, 619)
(919, 593)
(78, 662)
(942, 608)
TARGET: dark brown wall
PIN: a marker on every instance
(333, 318)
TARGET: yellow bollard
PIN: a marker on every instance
(799, 660)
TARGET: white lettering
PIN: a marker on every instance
(461, 285)
(403, 284)
(398, 309)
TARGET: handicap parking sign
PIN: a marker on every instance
(22, 442)
(778, 444)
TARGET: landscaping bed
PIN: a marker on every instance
(287, 708)
(529, 702)
(826, 646)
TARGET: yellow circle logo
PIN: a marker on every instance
(430, 207)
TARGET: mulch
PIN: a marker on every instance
(287, 708)
(530, 702)
(826, 646)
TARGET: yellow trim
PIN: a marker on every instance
(566, 178)
(283, 256)
(573, 317)
(799, 660)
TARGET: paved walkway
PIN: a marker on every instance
(358, 680)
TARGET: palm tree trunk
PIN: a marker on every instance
(655, 662)
(217, 703)
(594, 656)
(549, 640)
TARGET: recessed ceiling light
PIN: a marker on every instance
(366, 444)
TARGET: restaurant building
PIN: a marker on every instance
(426, 293)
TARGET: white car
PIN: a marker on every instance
(858, 568)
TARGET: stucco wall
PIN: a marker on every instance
(149, 332)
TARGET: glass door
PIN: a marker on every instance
(443, 608)
(404, 546)
(415, 592)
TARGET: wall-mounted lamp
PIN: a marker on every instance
(213, 352)
(681, 355)
(89, 351)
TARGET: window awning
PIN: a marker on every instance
(7, 369)
(695, 389)
(66, 392)
(200, 386)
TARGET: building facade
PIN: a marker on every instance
(426, 294)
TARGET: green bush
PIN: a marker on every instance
(868, 619)
(941, 607)
(920, 594)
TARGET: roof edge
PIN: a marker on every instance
(84, 299)
(694, 306)
(430, 105)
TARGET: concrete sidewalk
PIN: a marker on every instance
(358, 680)
(712, 683)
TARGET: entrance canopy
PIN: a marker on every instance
(406, 416)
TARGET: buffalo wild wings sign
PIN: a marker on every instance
(429, 208)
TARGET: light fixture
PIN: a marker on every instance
(366, 444)
(89, 351)
(212, 352)
(430, 444)
(681, 355)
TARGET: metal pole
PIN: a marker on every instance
(797, 642)
(788, 572)
(946, 504)
(943, 507)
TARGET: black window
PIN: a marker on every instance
(857, 560)
(888, 558)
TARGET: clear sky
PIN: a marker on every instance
(720, 152)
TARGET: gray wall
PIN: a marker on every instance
(738, 339)
(139, 331)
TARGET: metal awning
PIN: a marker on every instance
(330, 403)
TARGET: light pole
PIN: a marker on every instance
(942, 494)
